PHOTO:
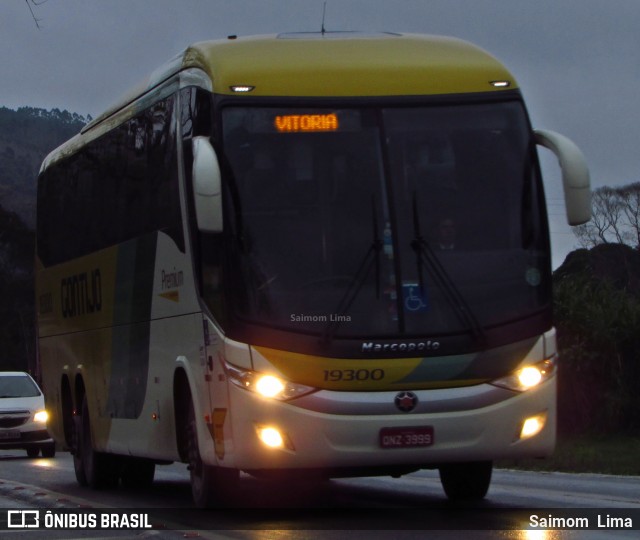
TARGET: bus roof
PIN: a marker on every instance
(346, 64)
(340, 64)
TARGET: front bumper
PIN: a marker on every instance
(485, 428)
(13, 439)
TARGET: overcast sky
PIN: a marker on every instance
(577, 61)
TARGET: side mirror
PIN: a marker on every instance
(575, 175)
(207, 182)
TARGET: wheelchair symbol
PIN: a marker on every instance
(413, 300)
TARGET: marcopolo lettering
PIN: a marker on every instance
(81, 294)
(419, 346)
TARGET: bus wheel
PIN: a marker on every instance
(76, 450)
(209, 485)
(137, 473)
(92, 468)
(466, 481)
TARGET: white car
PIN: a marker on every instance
(23, 418)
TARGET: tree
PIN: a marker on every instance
(33, 15)
(17, 292)
(26, 137)
(616, 217)
(597, 315)
(631, 208)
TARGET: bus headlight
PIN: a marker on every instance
(528, 377)
(266, 384)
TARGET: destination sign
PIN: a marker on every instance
(305, 123)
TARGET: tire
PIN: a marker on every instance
(33, 452)
(76, 450)
(466, 481)
(210, 486)
(94, 469)
(137, 473)
(49, 450)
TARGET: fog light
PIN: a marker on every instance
(533, 425)
(271, 437)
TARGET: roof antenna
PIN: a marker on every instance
(324, 11)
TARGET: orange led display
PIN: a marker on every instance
(295, 123)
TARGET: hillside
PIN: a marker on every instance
(26, 137)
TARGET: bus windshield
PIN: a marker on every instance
(389, 222)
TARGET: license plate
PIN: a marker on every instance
(11, 434)
(406, 437)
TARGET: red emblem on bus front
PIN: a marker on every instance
(406, 401)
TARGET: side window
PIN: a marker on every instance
(118, 187)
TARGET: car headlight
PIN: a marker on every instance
(41, 416)
(528, 377)
(266, 384)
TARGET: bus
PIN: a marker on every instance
(321, 254)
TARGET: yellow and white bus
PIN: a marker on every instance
(304, 253)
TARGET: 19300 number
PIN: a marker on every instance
(347, 375)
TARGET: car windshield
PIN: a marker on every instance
(17, 386)
(398, 221)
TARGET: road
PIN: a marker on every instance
(365, 507)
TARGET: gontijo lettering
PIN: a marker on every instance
(294, 123)
(81, 294)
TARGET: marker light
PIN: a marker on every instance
(241, 88)
(265, 384)
(41, 416)
(533, 425)
(528, 377)
(500, 84)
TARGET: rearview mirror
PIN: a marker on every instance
(575, 175)
(207, 186)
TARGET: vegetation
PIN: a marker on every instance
(616, 217)
(597, 316)
(26, 137)
(597, 311)
(617, 454)
(16, 290)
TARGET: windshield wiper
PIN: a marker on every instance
(426, 256)
(371, 257)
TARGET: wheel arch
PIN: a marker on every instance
(182, 400)
(67, 410)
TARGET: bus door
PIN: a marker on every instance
(217, 409)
